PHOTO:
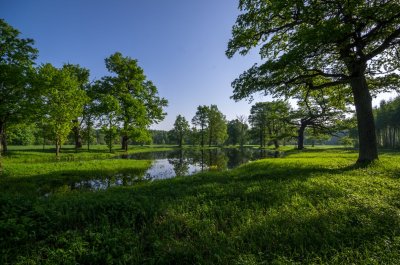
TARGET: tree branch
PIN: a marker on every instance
(385, 44)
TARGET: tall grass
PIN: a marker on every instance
(311, 207)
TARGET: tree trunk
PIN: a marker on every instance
(180, 140)
(300, 137)
(1, 136)
(4, 142)
(44, 138)
(276, 144)
(368, 150)
(210, 137)
(125, 140)
(58, 145)
(88, 138)
(77, 136)
(202, 160)
(110, 140)
(202, 136)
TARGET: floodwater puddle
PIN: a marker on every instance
(169, 164)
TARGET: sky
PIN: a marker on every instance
(180, 44)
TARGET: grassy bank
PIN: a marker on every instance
(36, 153)
(311, 207)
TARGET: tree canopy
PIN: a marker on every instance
(200, 119)
(62, 100)
(388, 123)
(344, 43)
(139, 103)
(323, 111)
(181, 128)
(17, 57)
(270, 119)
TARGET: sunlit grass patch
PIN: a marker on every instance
(310, 207)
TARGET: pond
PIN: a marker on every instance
(169, 164)
(186, 162)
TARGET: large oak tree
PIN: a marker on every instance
(349, 43)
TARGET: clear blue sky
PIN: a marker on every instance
(180, 44)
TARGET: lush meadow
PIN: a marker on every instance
(310, 207)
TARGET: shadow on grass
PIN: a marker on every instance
(258, 212)
(70, 180)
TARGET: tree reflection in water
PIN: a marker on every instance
(183, 162)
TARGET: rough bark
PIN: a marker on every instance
(300, 137)
(368, 150)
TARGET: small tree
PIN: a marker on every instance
(322, 110)
(346, 141)
(200, 119)
(181, 128)
(82, 76)
(108, 109)
(217, 128)
(62, 100)
(271, 121)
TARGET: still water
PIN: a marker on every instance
(169, 164)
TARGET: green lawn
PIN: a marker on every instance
(311, 207)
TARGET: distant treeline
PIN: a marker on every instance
(387, 118)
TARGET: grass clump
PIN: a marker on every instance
(311, 207)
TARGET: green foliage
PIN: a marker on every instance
(217, 126)
(387, 118)
(139, 105)
(22, 134)
(320, 113)
(17, 57)
(82, 75)
(237, 131)
(159, 137)
(110, 135)
(315, 45)
(109, 110)
(346, 141)
(62, 100)
(212, 124)
(311, 207)
(181, 128)
(200, 119)
(270, 120)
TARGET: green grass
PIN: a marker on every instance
(311, 207)
(37, 154)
